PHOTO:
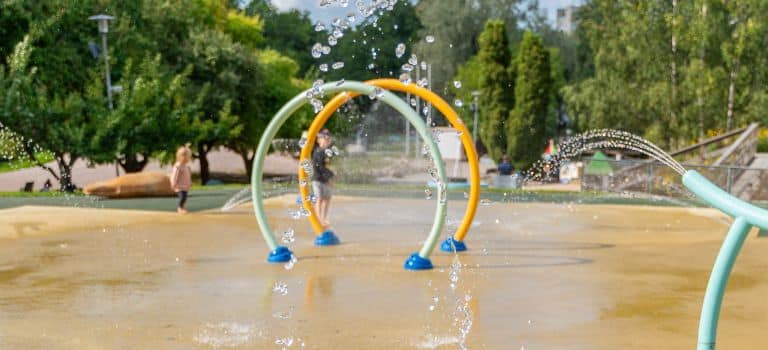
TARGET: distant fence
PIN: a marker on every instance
(657, 179)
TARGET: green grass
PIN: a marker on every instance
(20, 194)
(18, 164)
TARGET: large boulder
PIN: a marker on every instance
(147, 184)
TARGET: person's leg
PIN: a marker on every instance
(321, 211)
(182, 202)
(316, 189)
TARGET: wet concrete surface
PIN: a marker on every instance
(538, 276)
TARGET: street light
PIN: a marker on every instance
(103, 21)
(475, 108)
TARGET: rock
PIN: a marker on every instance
(146, 184)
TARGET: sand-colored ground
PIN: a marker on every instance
(538, 276)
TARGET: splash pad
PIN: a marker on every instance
(417, 261)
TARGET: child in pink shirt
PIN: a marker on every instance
(181, 177)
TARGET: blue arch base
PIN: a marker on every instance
(280, 255)
(327, 238)
(415, 262)
(450, 245)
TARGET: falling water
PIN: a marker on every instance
(603, 139)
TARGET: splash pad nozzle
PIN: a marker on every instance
(745, 217)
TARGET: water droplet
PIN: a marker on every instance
(466, 195)
(338, 65)
(486, 202)
(332, 40)
(286, 342)
(344, 3)
(291, 263)
(329, 152)
(378, 91)
(407, 67)
(351, 17)
(428, 193)
(325, 3)
(413, 60)
(432, 172)
(405, 78)
(326, 50)
(280, 288)
(317, 50)
(319, 26)
(317, 105)
(458, 103)
(400, 50)
(457, 84)
(324, 67)
(429, 39)
(424, 65)
(413, 102)
(338, 33)
(288, 236)
(340, 82)
(283, 315)
(423, 82)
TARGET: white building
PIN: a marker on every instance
(565, 20)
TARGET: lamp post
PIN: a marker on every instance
(103, 21)
(475, 108)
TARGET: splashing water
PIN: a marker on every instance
(291, 263)
(226, 335)
(280, 288)
(289, 236)
(616, 139)
(241, 197)
(400, 50)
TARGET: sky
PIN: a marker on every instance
(327, 14)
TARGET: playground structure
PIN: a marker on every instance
(453, 243)
(745, 217)
(417, 261)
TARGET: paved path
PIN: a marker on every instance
(223, 161)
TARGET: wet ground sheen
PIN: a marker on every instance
(542, 276)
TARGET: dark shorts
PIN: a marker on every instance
(322, 190)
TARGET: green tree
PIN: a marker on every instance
(456, 26)
(152, 115)
(45, 121)
(368, 50)
(529, 125)
(289, 32)
(280, 88)
(497, 87)
(13, 26)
